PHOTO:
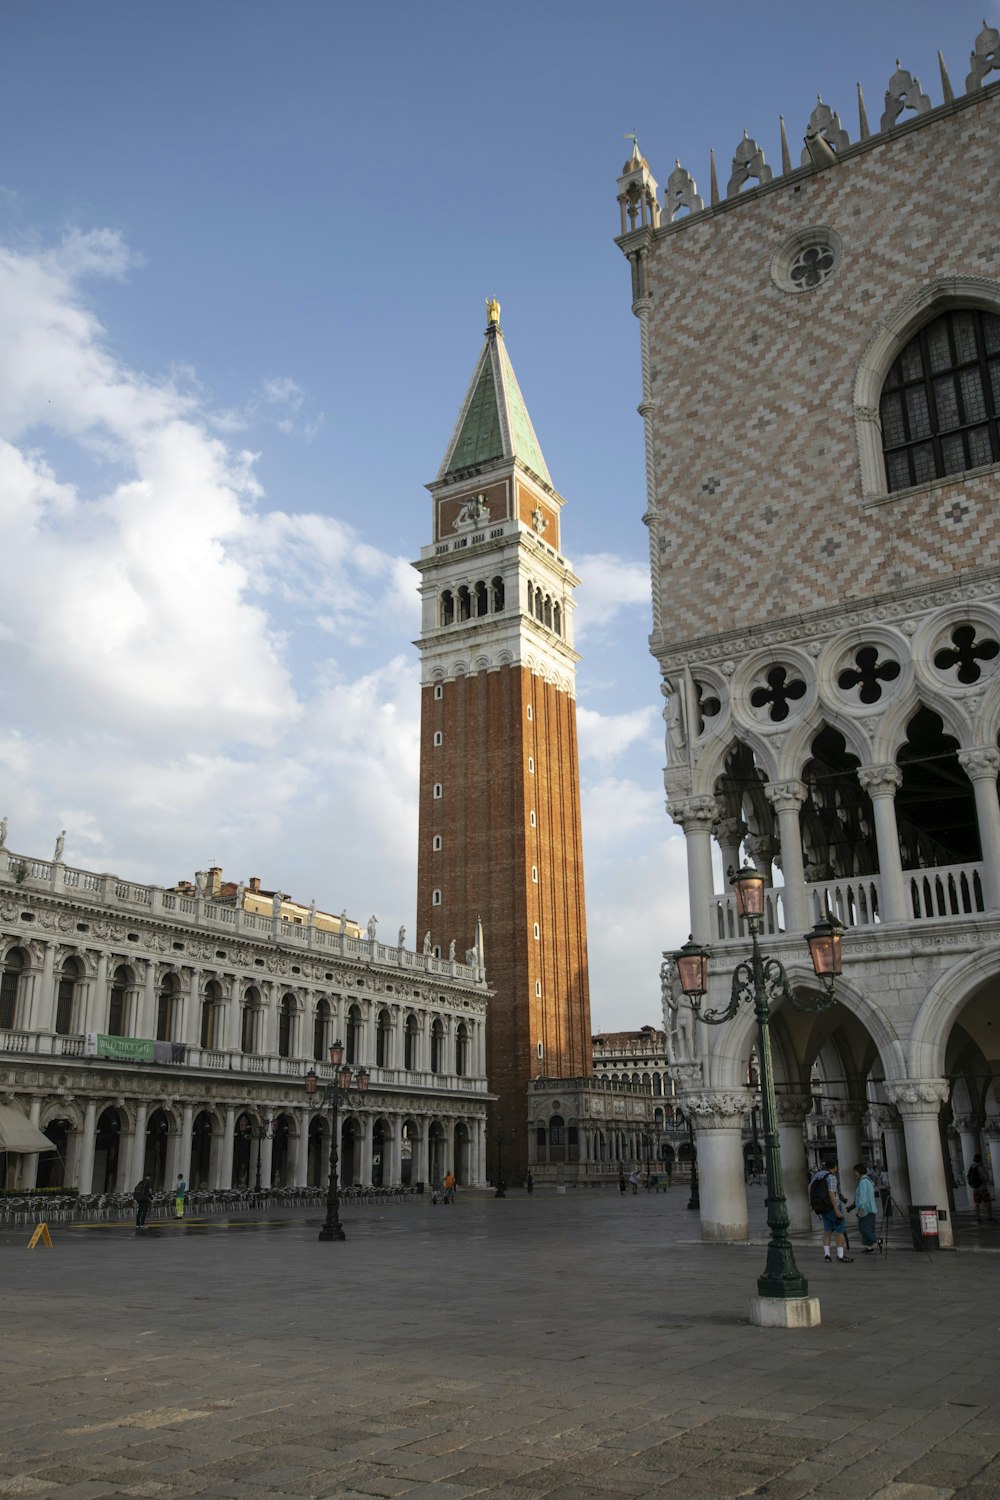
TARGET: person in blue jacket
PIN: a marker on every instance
(864, 1207)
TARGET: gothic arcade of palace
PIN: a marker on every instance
(820, 352)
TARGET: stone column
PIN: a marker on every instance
(228, 1137)
(41, 1013)
(390, 1146)
(183, 1162)
(302, 1148)
(696, 816)
(792, 1112)
(147, 1020)
(367, 1043)
(29, 1170)
(232, 1038)
(991, 1150)
(215, 1153)
(191, 1032)
(729, 835)
(919, 1103)
(787, 797)
(266, 1160)
(881, 783)
(845, 1117)
(95, 1017)
(85, 1158)
(137, 1154)
(895, 1155)
(365, 1169)
(981, 766)
(419, 1169)
(718, 1118)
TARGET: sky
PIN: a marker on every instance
(244, 254)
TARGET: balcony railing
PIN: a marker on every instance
(946, 892)
(222, 920)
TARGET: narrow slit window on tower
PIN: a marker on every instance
(531, 764)
(531, 712)
(531, 817)
(438, 691)
(438, 737)
(436, 898)
(538, 989)
(436, 842)
(438, 789)
(534, 874)
(536, 933)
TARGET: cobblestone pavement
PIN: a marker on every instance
(561, 1346)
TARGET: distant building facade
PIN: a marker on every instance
(146, 1030)
(820, 355)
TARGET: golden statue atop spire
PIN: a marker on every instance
(492, 313)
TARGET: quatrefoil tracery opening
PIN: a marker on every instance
(708, 705)
(780, 692)
(966, 653)
(868, 674)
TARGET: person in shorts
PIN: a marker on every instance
(834, 1225)
(980, 1185)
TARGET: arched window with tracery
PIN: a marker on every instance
(321, 1030)
(462, 1050)
(10, 983)
(383, 1040)
(286, 1025)
(940, 405)
(353, 1050)
(167, 1006)
(437, 1047)
(66, 995)
(410, 1036)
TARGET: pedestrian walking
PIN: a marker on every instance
(622, 1184)
(825, 1200)
(633, 1178)
(180, 1193)
(864, 1207)
(449, 1187)
(980, 1185)
(143, 1195)
(529, 1183)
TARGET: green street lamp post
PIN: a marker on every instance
(694, 1202)
(761, 982)
(334, 1094)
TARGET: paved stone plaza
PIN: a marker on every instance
(567, 1346)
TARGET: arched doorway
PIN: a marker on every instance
(52, 1164)
(201, 1151)
(378, 1153)
(462, 1157)
(106, 1151)
(350, 1147)
(318, 1173)
(280, 1139)
(242, 1151)
(157, 1134)
(436, 1166)
(408, 1141)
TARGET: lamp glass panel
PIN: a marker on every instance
(748, 888)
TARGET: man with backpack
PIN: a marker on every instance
(143, 1195)
(825, 1200)
(980, 1185)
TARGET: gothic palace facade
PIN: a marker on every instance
(820, 355)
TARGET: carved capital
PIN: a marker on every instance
(694, 813)
(676, 784)
(981, 763)
(884, 1116)
(785, 796)
(968, 1123)
(715, 1110)
(880, 781)
(687, 1077)
(918, 1096)
(730, 831)
(793, 1109)
(843, 1111)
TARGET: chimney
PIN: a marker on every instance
(214, 880)
(255, 884)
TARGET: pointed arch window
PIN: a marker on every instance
(10, 984)
(940, 404)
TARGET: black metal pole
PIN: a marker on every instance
(782, 1277)
(694, 1202)
(259, 1133)
(501, 1191)
(332, 1228)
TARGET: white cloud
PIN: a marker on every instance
(610, 585)
(605, 737)
(155, 697)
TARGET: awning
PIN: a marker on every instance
(18, 1134)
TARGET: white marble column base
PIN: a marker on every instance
(785, 1312)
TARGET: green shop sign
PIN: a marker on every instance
(124, 1048)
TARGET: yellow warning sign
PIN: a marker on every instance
(40, 1236)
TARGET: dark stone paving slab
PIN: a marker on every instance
(573, 1347)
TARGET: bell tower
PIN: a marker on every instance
(499, 832)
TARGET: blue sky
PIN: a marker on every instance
(244, 252)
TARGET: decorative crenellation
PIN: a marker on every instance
(825, 141)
